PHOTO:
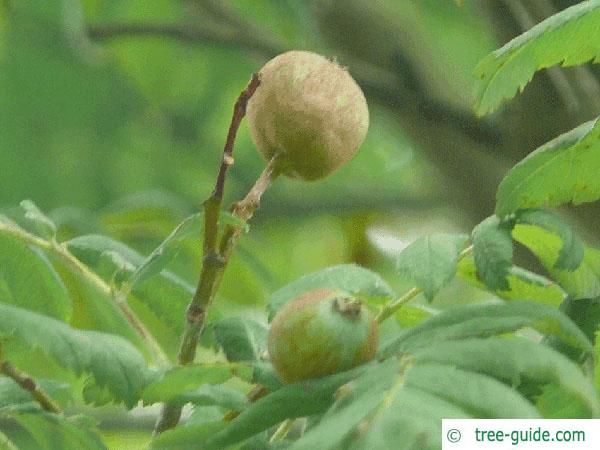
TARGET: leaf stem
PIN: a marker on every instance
(282, 431)
(30, 385)
(74, 264)
(391, 308)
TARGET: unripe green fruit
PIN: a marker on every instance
(319, 333)
(310, 111)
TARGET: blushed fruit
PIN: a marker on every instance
(311, 111)
(321, 332)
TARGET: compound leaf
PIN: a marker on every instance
(564, 170)
(112, 361)
(569, 38)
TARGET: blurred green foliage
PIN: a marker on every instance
(120, 134)
(137, 124)
(84, 123)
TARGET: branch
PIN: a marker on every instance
(185, 33)
(244, 210)
(391, 308)
(215, 260)
(213, 263)
(30, 385)
(63, 253)
(239, 111)
(212, 273)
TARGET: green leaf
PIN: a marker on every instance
(227, 218)
(264, 374)
(514, 361)
(295, 400)
(569, 38)
(215, 395)
(409, 419)
(28, 280)
(74, 221)
(597, 359)
(14, 398)
(111, 360)
(6, 443)
(348, 277)
(93, 305)
(583, 282)
(585, 313)
(4, 220)
(95, 395)
(493, 252)
(113, 262)
(156, 261)
(94, 249)
(166, 295)
(187, 437)
(379, 411)
(571, 252)
(430, 262)
(179, 380)
(523, 285)
(359, 398)
(555, 403)
(561, 171)
(409, 316)
(242, 339)
(484, 320)
(57, 432)
(148, 213)
(205, 414)
(44, 225)
(481, 396)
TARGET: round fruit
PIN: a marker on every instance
(310, 111)
(321, 332)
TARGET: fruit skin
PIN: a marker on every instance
(311, 110)
(321, 332)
